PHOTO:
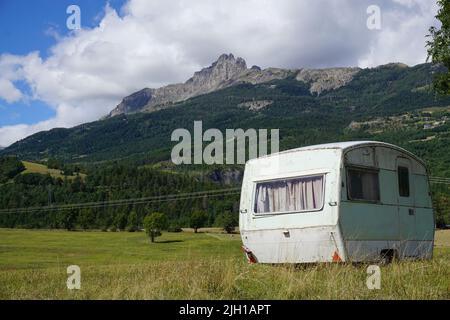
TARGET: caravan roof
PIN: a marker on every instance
(347, 145)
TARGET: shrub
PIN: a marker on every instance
(154, 223)
(198, 220)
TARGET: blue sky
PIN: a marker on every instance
(24, 24)
(27, 26)
(52, 77)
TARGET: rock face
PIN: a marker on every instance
(255, 105)
(227, 176)
(225, 72)
(134, 102)
(326, 79)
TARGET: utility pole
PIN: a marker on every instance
(49, 195)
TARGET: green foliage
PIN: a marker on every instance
(105, 183)
(120, 221)
(133, 224)
(154, 224)
(439, 47)
(174, 227)
(227, 221)
(34, 179)
(9, 168)
(302, 118)
(67, 219)
(67, 171)
(53, 163)
(198, 219)
(86, 219)
(128, 156)
(441, 205)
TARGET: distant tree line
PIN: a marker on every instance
(9, 168)
(111, 182)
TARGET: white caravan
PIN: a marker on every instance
(349, 201)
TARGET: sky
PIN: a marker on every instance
(53, 76)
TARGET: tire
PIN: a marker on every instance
(386, 257)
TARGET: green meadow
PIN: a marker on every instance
(32, 167)
(207, 265)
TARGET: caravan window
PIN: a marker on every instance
(290, 195)
(362, 184)
(403, 181)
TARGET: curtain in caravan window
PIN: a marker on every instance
(363, 184)
(299, 194)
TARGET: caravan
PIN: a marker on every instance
(349, 201)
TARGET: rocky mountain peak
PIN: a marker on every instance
(220, 74)
(225, 68)
(227, 71)
(133, 102)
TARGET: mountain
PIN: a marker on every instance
(128, 155)
(228, 71)
(308, 106)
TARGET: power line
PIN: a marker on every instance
(133, 201)
(153, 199)
(439, 180)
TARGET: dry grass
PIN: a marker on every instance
(442, 239)
(212, 276)
(231, 279)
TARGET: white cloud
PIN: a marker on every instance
(9, 92)
(402, 37)
(8, 74)
(153, 43)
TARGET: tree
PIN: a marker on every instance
(67, 171)
(227, 221)
(120, 222)
(68, 219)
(441, 205)
(9, 168)
(53, 163)
(132, 224)
(154, 223)
(439, 47)
(86, 219)
(198, 220)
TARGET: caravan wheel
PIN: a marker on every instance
(387, 256)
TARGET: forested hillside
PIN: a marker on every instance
(128, 156)
(109, 183)
(303, 118)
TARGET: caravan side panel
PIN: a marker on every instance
(293, 237)
(402, 223)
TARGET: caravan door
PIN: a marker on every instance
(406, 208)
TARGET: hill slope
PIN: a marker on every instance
(303, 117)
(391, 103)
(227, 71)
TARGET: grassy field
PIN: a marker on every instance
(185, 265)
(31, 167)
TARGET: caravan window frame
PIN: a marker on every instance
(265, 214)
(348, 168)
(403, 181)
